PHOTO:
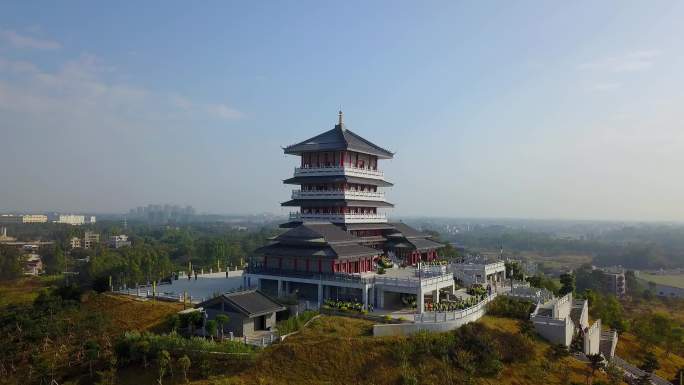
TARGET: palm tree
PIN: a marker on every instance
(595, 363)
(92, 352)
(163, 359)
(184, 363)
(222, 319)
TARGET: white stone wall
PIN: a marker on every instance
(434, 322)
(556, 331)
(592, 338)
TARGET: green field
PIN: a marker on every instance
(676, 280)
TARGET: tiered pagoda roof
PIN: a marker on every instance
(406, 237)
(317, 240)
(338, 139)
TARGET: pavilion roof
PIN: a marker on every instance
(335, 203)
(337, 179)
(338, 139)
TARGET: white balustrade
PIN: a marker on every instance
(341, 218)
(337, 170)
(338, 194)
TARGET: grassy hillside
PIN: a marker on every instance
(24, 290)
(128, 313)
(632, 349)
(338, 350)
(676, 280)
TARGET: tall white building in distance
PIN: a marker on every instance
(70, 219)
(34, 218)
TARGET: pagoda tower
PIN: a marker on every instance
(339, 179)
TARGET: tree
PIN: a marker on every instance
(10, 263)
(142, 348)
(222, 320)
(211, 328)
(92, 352)
(558, 351)
(465, 360)
(650, 363)
(595, 363)
(184, 363)
(614, 374)
(54, 260)
(163, 361)
(674, 339)
(567, 284)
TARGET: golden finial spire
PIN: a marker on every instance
(340, 118)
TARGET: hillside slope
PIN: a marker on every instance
(338, 350)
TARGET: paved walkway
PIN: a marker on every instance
(634, 372)
(204, 287)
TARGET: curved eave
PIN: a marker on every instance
(334, 203)
(300, 150)
(298, 180)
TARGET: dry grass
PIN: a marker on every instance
(338, 350)
(24, 290)
(632, 350)
(539, 370)
(128, 313)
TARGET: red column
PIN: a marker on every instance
(280, 262)
(320, 265)
(265, 261)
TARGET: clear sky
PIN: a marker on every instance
(541, 109)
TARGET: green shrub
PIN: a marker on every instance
(294, 324)
(503, 306)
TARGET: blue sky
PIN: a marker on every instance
(494, 109)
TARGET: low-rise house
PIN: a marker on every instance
(614, 280)
(90, 240)
(33, 264)
(75, 243)
(248, 311)
(118, 241)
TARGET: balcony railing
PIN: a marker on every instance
(338, 194)
(338, 170)
(340, 218)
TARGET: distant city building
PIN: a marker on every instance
(118, 241)
(34, 218)
(90, 240)
(33, 265)
(10, 219)
(70, 219)
(75, 243)
(614, 280)
(162, 213)
(92, 219)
